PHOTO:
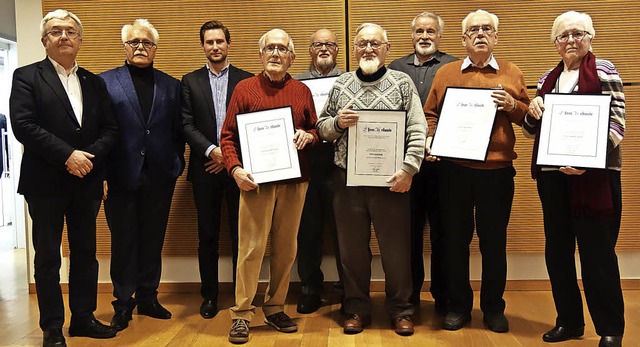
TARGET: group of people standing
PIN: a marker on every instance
(121, 136)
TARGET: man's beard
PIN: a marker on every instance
(324, 62)
(369, 67)
(425, 51)
(217, 59)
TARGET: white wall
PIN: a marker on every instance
(177, 269)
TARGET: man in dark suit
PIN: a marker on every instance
(142, 173)
(205, 95)
(62, 116)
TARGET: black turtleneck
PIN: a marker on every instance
(143, 82)
(371, 78)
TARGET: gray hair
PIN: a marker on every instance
(573, 16)
(371, 25)
(492, 17)
(262, 43)
(431, 15)
(59, 14)
(143, 24)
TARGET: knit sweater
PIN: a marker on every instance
(501, 145)
(259, 93)
(611, 84)
(394, 90)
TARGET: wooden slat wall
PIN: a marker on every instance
(524, 39)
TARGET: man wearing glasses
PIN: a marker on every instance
(481, 188)
(421, 66)
(272, 208)
(317, 214)
(62, 116)
(142, 172)
(373, 86)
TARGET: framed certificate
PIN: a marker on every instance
(574, 131)
(320, 88)
(465, 124)
(266, 144)
(375, 149)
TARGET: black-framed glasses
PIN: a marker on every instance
(375, 45)
(475, 30)
(329, 45)
(270, 49)
(577, 36)
(71, 33)
(136, 43)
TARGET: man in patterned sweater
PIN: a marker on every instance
(373, 86)
(270, 208)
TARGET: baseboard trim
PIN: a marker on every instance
(376, 286)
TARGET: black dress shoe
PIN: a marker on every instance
(610, 341)
(91, 328)
(560, 333)
(308, 303)
(496, 322)
(53, 338)
(153, 309)
(455, 321)
(121, 319)
(209, 308)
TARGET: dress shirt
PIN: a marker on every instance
(467, 63)
(71, 85)
(219, 84)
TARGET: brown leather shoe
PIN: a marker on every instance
(356, 323)
(403, 325)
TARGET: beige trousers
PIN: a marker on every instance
(270, 209)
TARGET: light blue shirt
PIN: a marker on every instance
(492, 62)
(219, 84)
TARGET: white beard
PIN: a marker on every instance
(369, 67)
(424, 51)
(324, 62)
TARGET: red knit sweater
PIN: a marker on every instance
(259, 93)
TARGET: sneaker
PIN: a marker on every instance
(281, 322)
(239, 332)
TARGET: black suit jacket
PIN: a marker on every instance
(44, 122)
(198, 115)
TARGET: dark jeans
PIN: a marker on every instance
(596, 241)
(488, 193)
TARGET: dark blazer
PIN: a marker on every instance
(44, 122)
(198, 115)
(159, 141)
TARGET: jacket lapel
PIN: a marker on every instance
(158, 94)
(49, 75)
(124, 78)
(205, 87)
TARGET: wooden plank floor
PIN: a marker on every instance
(530, 314)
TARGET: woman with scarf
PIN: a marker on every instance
(582, 205)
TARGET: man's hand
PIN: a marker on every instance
(79, 163)
(568, 170)
(347, 117)
(244, 180)
(302, 138)
(216, 162)
(427, 151)
(536, 107)
(504, 101)
(401, 182)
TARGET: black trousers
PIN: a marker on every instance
(48, 215)
(488, 193)
(138, 222)
(208, 194)
(317, 215)
(596, 241)
(424, 203)
(356, 208)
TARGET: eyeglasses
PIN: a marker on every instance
(270, 49)
(577, 35)
(136, 43)
(375, 45)
(329, 45)
(71, 33)
(475, 30)
(430, 32)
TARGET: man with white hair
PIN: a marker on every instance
(373, 86)
(421, 66)
(142, 172)
(62, 116)
(475, 193)
(272, 208)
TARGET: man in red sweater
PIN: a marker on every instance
(484, 187)
(269, 208)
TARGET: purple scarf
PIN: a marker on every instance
(590, 192)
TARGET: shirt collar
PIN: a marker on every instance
(222, 72)
(467, 63)
(417, 62)
(61, 70)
